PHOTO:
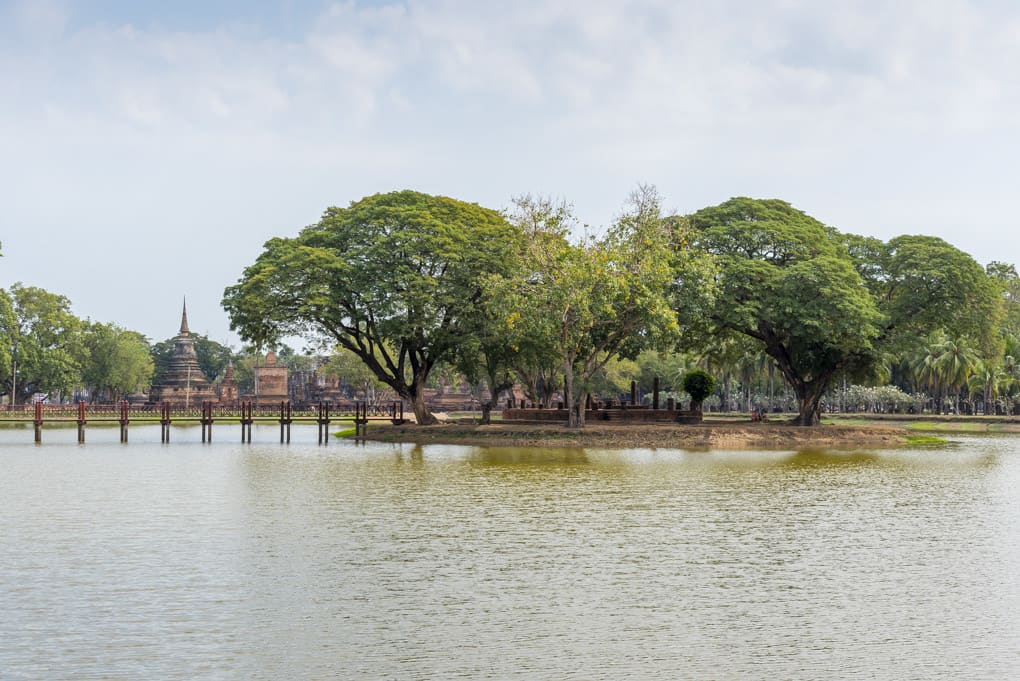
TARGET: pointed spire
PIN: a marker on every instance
(184, 319)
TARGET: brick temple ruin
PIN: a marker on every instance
(184, 384)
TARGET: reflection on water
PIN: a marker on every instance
(407, 562)
(522, 456)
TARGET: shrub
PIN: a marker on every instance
(699, 385)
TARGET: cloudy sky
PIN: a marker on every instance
(147, 150)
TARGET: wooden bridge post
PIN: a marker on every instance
(397, 413)
(655, 393)
(81, 422)
(360, 419)
(38, 422)
(246, 419)
(323, 421)
(123, 421)
(633, 393)
(207, 421)
(285, 420)
(164, 422)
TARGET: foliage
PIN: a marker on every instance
(886, 399)
(927, 284)
(699, 385)
(528, 341)
(244, 372)
(393, 278)
(669, 367)
(116, 362)
(43, 339)
(287, 356)
(1007, 280)
(363, 382)
(614, 378)
(786, 283)
(589, 302)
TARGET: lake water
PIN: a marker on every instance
(377, 561)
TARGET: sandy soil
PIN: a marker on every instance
(715, 435)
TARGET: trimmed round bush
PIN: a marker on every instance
(699, 385)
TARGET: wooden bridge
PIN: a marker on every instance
(205, 414)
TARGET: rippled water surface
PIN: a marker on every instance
(268, 561)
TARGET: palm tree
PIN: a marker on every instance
(955, 364)
(1011, 378)
(926, 367)
(987, 380)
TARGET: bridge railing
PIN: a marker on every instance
(117, 411)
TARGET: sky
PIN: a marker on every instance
(148, 150)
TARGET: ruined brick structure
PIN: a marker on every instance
(270, 382)
(228, 388)
(184, 384)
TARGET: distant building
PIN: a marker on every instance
(184, 384)
(270, 382)
(229, 394)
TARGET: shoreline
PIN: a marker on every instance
(716, 434)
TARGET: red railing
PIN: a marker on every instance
(156, 412)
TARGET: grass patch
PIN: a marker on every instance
(847, 421)
(948, 427)
(926, 441)
(349, 432)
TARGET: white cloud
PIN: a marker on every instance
(859, 112)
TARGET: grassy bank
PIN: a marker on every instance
(716, 434)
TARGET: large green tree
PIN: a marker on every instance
(787, 283)
(923, 283)
(393, 278)
(1006, 278)
(598, 299)
(824, 303)
(42, 343)
(116, 361)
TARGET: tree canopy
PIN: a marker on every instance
(117, 362)
(43, 342)
(786, 283)
(392, 278)
(823, 303)
(589, 302)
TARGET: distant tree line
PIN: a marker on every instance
(754, 291)
(408, 291)
(47, 352)
(410, 283)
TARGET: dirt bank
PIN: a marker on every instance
(714, 435)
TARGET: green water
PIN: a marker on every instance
(263, 561)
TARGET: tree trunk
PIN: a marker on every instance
(809, 398)
(725, 406)
(568, 396)
(772, 373)
(422, 414)
(578, 408)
